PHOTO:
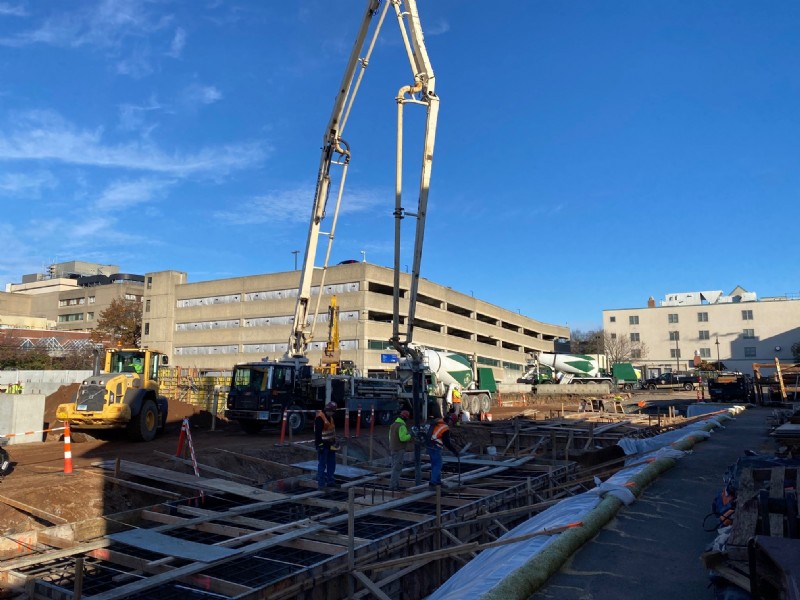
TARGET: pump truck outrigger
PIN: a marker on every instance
(260, 392)
(125, 395)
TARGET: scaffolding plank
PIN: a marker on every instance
(147, 539)
(341, 470)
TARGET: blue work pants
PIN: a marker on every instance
(326, 466)
(436, 465)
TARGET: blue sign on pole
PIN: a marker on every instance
(389, 358)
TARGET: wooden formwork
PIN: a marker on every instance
(244, 542)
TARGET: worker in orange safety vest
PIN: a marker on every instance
(325, 442)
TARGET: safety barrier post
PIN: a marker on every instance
(358, 421)
(291, 430)
(181, 440)
(67, 449)
(283, 429)
(346, 422)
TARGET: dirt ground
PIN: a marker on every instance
(38, 493)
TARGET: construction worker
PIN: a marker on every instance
(438, 437)
(325, 441)
(399, 440)
(456, 397)
(137, 365)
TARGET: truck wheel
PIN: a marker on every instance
(5, 463)
(366, 417)
(627, 387)
(296, 419)
(251, 426)
(651, 386)
(142, 427)
(688, 386)
(486, 402)
(385, 417)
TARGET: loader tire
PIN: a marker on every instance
(5, 463)
(144, 425)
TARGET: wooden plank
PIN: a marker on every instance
(154, 541)
(208, 469)
(745, 518)
(776, 491)
(370, 585)
(32, 510)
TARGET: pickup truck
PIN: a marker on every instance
(672, 381)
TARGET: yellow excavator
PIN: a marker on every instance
(124, 395)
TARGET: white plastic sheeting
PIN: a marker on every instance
(495, 564)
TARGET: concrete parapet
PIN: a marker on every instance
(20, 413)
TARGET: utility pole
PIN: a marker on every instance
(677, 355)
(717, 343)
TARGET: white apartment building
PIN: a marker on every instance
(737, 329)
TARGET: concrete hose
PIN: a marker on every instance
(528, 579)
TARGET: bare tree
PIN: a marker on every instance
(620, 349)
(586, 342)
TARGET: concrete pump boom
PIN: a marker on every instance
(336, 151)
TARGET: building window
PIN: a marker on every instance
(633, 320)
(634, 337)
(147, 328)
(675, 352)
(149, 283)
(90, 316)
(747, 315)
(702, 317)
(749, 351)
(705, 352)
(672, 318)
(613, 336)
(748, 334)
(636, 353)
(379, 345)
(674, 336)
(92, 299)
(704, 335)
(147, 305)
(612, 319)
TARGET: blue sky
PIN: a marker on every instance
(589, 154)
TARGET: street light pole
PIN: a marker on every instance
(677, 355)
(717, 343)
(295, 252)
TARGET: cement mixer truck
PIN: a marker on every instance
(448, 371)
(551, 367)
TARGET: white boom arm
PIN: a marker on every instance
(336, 151)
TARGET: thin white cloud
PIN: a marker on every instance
(133, 117)
(27, 185)
(178, 43)
(138, 64)
(439, 27)
(43, 135)
(129, 193)
(9, 10)
(294, 206)
(197, 94)
(103, 24)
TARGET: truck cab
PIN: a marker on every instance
(673, 381)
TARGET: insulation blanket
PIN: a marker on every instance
(496, 564)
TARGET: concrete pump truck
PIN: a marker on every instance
(261, 391)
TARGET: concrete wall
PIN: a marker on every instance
(41, 382)
(20, 413)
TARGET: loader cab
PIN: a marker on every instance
(141, 362)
